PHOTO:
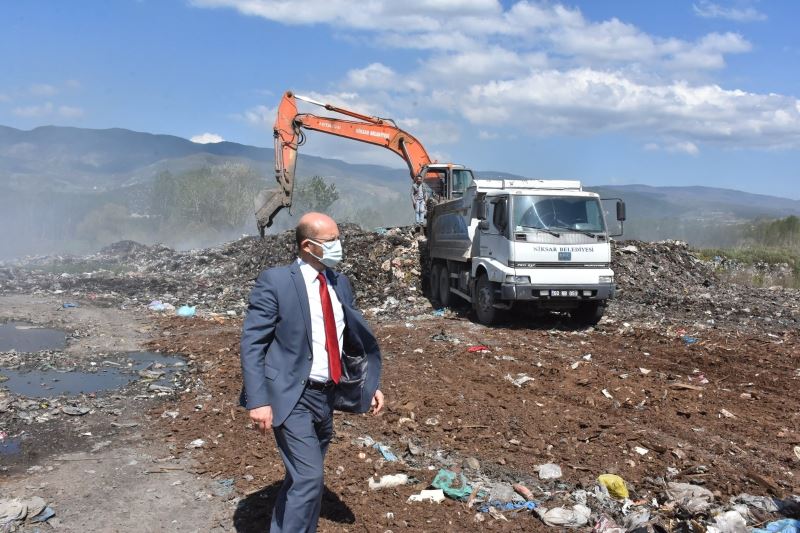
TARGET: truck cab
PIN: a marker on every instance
(541, 243)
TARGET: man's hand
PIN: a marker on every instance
(377, 402)
(262, 417)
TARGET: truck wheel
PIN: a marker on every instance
(435, 268)
(484, 300)
(445, 296)
(588, 313)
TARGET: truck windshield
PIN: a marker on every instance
(562, 212)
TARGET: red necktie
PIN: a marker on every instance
(331, 337)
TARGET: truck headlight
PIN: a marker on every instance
(606, 279)
(517, 279)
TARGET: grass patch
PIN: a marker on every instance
(753, 261)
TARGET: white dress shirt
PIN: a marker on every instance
(319, 365)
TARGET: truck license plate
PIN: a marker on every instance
(555, 292)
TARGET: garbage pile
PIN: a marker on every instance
(383, 266)
(665, 279)
(655, 280)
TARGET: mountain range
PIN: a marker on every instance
(53, 175)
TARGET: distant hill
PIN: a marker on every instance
(51, 177)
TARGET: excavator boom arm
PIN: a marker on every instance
(289, 135)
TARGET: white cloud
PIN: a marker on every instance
(541, 67)
(207, 138)
(34, 111)
(487, 135)
(47, 109)
(42, 89)
(586, 101)
(707, 9)
(685, 147)
(72, 84)
(70, 111)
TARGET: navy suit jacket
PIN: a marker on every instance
(276, 351)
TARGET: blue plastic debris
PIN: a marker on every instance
(438, 312)
(69, 305)
(507, 506)
(46, 514)
(787, 525)
(385, 451)
(453, 485)
(186, 311)
(689, 340)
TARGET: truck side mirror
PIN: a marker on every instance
(620, 210)
(481, 211)
(483, 225)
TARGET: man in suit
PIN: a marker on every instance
(306, 350)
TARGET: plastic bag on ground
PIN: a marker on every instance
(578, 516)
(549, 471)
(453, 485)
(787, 525)
(693, 498)
(186, 311)
(729, 522)
(615, 485)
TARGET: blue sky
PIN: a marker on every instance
(660, 92)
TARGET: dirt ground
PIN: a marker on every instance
(733, 434)
(696, 385)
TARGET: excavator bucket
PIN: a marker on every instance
(269, 202)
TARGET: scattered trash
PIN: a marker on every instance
(640, 450)
(506, 506)
(196, 443)
(549, 471)
(453, 485)
(159, 306)
(520, 380)
(388, 481)
(607, 394)
(222, 488)
(726, 413)
(439, 312)
(606, 524)
(645, 371)
(578, 516)
(689, 340)
(13, 512)
(70, 305)
(435, 496)
(729, 522)
(479, 348)
(797, 452)
(73, 410)
(186, 311)
(615, 485)
(385, 451)
(523, 491)
(786, 525)
(694, 499)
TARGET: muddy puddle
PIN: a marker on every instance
(110, 374)
(23, 337)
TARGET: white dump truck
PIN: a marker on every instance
(502, 243)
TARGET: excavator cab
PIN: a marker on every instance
(447, 181)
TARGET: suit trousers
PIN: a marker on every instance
(303, 440)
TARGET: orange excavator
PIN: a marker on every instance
(444, 180)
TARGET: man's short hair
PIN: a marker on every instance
(301, 233)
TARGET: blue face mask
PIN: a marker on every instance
(331, 252)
